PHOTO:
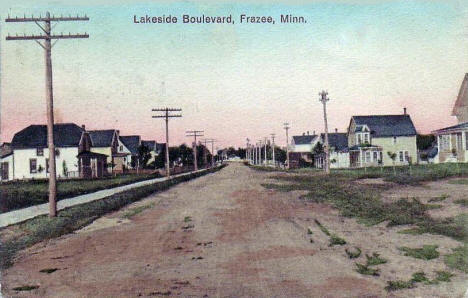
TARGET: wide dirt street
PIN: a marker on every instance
(221, 235)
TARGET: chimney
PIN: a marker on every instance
(303, 133)
(83, 127)
(336, 130)
(404, 111)
(307, 132)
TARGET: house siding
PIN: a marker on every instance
(403, 143)
(22, 156)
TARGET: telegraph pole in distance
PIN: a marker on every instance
(212, 141)
(247, 151)
(166, 115)
(47, 46)
(195, 134)
(286, 127)
(266, 156)
(273, 148)
(324, 98)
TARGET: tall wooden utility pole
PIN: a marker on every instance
(47, 46)
(212, 141)
(166, 115)
(260, 152)
(273, 149)
(247, 151)
(266, 156)
(286, 127)
(324, 98)
(195, 134)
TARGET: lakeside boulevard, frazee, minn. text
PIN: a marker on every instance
(227, 19)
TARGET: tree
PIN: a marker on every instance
(424, 142)
(144, 155)
(393, 156)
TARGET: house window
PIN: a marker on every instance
(57, 152)
(121, 148)
(359, 138)
(380, 157)
(444, 142)
(47, 165)
(32, 165)
(406, 156)
(375, 155)
(368, 156)
(366, 138)
(394, 140)
(40, 151)
(401, 156)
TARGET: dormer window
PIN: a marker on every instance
(40, 151)
(394, 140)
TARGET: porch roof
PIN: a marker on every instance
(454, 128)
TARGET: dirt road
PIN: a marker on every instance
(221, 235)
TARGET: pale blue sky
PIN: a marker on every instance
(241, 80)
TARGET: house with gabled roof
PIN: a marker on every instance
(108, 142)
(373, 139)
(133, 144)
(30, 151)
(339, 153)
(460, 109)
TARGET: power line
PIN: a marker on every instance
(166, 115)
(47, 37)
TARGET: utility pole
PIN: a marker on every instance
(166, 115)
(273, 149)
(47, 46)
(324, 98)
(259, 152)
(247, 157)
(266, 157)
(212, 141)
(195, 134)
(286, 127)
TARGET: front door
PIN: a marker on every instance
(4, 168)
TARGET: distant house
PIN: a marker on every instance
(302, 147)
(460, 109)
(29, 158)
(132, 143)
(372, 138)
(107, 142)
(339, 153)
(6, 162)
(452, 143)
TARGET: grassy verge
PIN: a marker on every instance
(76, 217)
(22, 194)
(427, 252)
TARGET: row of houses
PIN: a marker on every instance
(79, 152)
(382, 140)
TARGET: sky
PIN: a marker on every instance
(237, 81)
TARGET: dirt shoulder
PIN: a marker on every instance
(222, 235)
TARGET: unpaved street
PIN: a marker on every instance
(221, 235)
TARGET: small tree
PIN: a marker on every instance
(393, 156)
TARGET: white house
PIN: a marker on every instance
(302, 146)
(339, 153)
(452, 143)
(460, 109)
(30, 155)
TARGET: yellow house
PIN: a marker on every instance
(374, 140)
(107, 142)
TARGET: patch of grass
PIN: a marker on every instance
(427, 252)
(395, 285)
(353, 253)
(433, 206)
(366, 270)
(26, 288)
(48, 270)
(458, 259)
(187, 219)
(463, 202)
(309, 231)
(419, 277)
(322, 228)
(336, 240)
(134, 211)
(438, 199)
(443, 276)
(73, 218)
(375, 259)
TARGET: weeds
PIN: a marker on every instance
(398, 285)
(26, 288)
(366, 270)
(187, 219)
(322, 228)
(375, 259)
(48, 270)
(336, 240)
(463, 202)
(438, 199)
(427, 252)
(418, 277)
(309, 231)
